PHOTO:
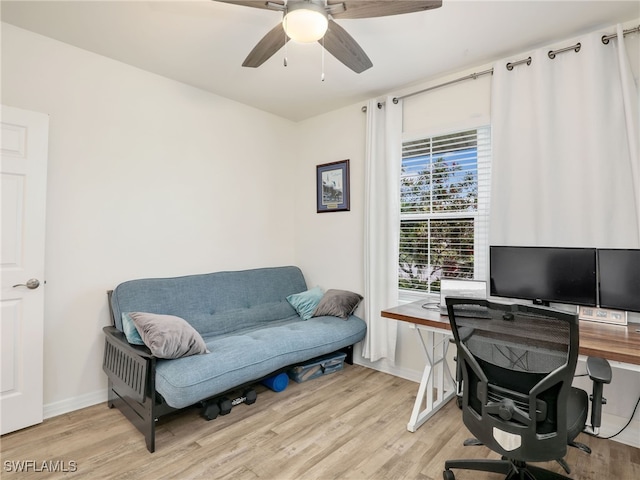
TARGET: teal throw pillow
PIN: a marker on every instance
(130, 330)
(306, 302)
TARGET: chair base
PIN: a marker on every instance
(580, 446)
(511, 469)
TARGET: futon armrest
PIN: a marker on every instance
(117, 336)
(599, 370)
(130, 368)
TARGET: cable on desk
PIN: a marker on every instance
(431, 306)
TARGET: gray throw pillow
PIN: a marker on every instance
(168, 336)
(337, 303)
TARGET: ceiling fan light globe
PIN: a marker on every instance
(304, 25)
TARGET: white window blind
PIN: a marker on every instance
(444, 209)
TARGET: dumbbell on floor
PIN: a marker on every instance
(211, 410)
(223, 405)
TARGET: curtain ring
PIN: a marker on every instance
(575, 48)
(510, 65)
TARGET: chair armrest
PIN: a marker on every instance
(599, 369)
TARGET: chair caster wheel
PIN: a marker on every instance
(448, 475)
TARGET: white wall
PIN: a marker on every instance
(329, 244)
(329, 239)
(147, 177)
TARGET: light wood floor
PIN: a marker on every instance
(348, 425)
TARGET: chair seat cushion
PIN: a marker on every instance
(577, 409)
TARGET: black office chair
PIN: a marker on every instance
(517, 363)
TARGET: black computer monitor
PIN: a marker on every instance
(619, 279)
(544, 274)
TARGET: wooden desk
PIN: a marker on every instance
(616, 343)
(414, 313)
(620, 343)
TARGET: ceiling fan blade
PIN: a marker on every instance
(342, 46)
(355, 9)
(264, 50)
(255, 4)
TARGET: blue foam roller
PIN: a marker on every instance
(277, 383)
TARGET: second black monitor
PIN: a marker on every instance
(619, 271)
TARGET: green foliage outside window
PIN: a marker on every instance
(439, 200)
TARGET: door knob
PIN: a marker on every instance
(32, 283)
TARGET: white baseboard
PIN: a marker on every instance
(385, 366)
(76, 403)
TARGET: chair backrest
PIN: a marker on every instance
(517, 364)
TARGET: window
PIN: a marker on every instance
(444, 194)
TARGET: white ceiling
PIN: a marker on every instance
(203, 43)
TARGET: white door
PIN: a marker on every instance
(23, 145)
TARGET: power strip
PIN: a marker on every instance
(603, 315)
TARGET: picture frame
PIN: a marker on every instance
(332, 187)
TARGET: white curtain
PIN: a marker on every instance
(382, 226)
(563, 173)
(632, 113)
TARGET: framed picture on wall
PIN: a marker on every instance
(333, 186)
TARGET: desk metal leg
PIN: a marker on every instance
(437, 386)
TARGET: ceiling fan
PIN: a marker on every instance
(312, 20)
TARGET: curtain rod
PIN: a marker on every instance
(510, 65)
(551, 54)
(461, 79)
(606, 38)
(473, 76)
(468, 77)
(364, 107)
(576, 48)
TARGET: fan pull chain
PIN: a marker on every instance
(285, 53)
(322, 76)
(286, 43)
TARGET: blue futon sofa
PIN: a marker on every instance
(231, 329)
